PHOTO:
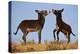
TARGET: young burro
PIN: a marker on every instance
(27, 26)
(61, 26)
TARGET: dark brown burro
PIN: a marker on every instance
(61, 26)
(27, 26)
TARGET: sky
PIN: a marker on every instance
(26, 11)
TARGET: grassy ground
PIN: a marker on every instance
(52, 45)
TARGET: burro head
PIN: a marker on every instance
(42, 12)
(57, 12)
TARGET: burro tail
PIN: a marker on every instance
(16, 31)
(73, 34)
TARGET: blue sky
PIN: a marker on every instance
(26, 11)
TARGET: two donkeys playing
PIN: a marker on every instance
(27, 26)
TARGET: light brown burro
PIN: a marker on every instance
(61, 26)
(27, 26)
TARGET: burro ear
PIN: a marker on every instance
(62, 10)
(37, 11)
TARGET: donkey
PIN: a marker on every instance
(61, 26)
(27, 26)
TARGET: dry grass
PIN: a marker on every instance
(52, 45)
